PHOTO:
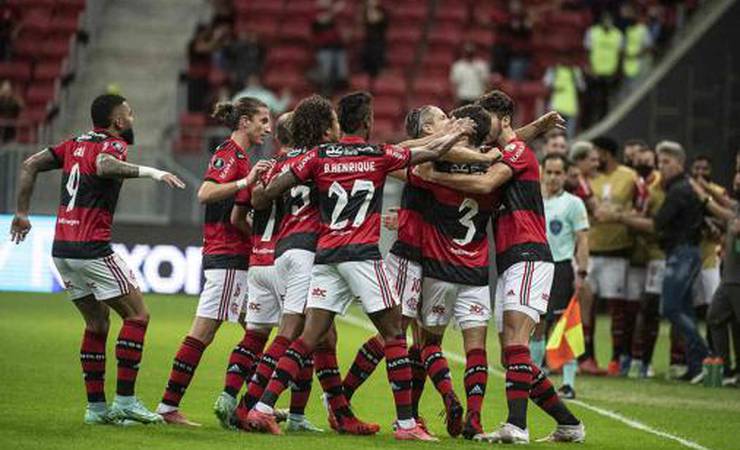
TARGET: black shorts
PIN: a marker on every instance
(563, 288)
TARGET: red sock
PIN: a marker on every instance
(618, 310)
(631, 312)
(437, 368)
(399, 376)
(518, 383)
(92, 357)
(286, 372)
(544, 395)
(327, 371)
(129, 347)
(301, 390)
(476, 378)
(241, 361)
(367, 359)
(418, 377)
(263, 372)
(183, 369)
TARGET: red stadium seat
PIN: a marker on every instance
(217, 77)
(15, 71)
(40, 94)
(296, 30)
(447, 37)
(390, 84)
(289, 57)
(47, 71)
(403, 35)
(387, 107)
(304, 8)
(55, 49)
(481, 37)
(359, 82)
(385, 130)
(281, 79)
(401, 56)
(412, 15)
(452, 13)
(64, 27)
(266, 30)
(192, 121)
(258, 8)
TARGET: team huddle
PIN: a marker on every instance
(291, 242)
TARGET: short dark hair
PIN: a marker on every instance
(354, 111)
(558, 157)
(102, 109)
(703, 157)
(283, 131)
(311, 118)
(482, 122)
(606, 143)
(635, 143)
(416, 119)
(552, 134)
(229, 113)
(497, 103)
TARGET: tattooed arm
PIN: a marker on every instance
(38, 162)
(109, 166)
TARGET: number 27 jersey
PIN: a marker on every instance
(350, 176)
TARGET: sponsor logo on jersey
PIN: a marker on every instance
(476, 309)
(238, 290)
(254, 307)
(438, 309)
(318, 292)
(511, 293)
(234, 308)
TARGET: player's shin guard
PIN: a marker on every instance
(399, 375)
(476, 378)
(543, 394)
(518, 383)
(301, 389)
(92, 357)
(286, 372)
(183, 369)
(418, 377)
(367, 359)
(437, 368)
(242, 359)
(327, 371)
(129, 347)
(263, 372)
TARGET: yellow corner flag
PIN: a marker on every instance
(566, 341)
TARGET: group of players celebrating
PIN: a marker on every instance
(293, 241)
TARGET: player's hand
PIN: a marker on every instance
(172, 181)
(19, 228)
(699, 187)
(606, 213)
(424, 171)
(258, 170)
(464, 126)
(551, 120)
(493, 153)
(390, 220)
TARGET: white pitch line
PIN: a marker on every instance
(632, 423)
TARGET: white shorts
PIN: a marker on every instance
(654, 278)
(224, 294)
(406, 278)
(608, 276)
(469, 305)
(706, 285)
(635, 283)
(335, 286)
(264, 302)
(524, 287)
(293, 269)
(104, 278)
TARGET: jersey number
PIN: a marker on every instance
(73, 184)
(270, 226)
(303, 192)
(467, 220)
(336, 190)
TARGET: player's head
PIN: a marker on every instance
(482, 122)
(556, 143)
(113, 113)
(630, 149)
(607, 149)
(314, 122)
(585, 157)
(246, 115)
(645, 161)
(701, 167)
(425, 121)
(736, 186)
(554, 172)
(355, 112)
(671, 159)
(283, 130)
(501, 108)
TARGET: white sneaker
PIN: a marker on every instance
(567, 433)
(224, 409)
(636, 369)
(507, 434)
(302, 425)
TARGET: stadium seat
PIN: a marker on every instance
(403, 35)
(64, 27)
(193, 120)
(266, 30)
(446, 37)
(289, 58)
(296, 31)
(389, 84)
(387, 106)
(385, 130)
(359, 82)
(47, 71)
(16, 71)
(40, 94)
(401, 56)
(217, 77)
(281, 79)
(408, 15)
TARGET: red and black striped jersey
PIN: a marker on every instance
(87, 202)
(520, 219)
(582, 190)
(300, 223)
(414, 204)
(455, 241)
(265, 223)
(350, 176)
(224, 245)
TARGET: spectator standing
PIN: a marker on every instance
(565, 81)
(9, 26)
(245, 56)
(11, 105)
(331, 55)
(469, 76)
(373, 51)
(519, 32)
(638, 44)
(604, 43)
(253, 88)
(630, 150)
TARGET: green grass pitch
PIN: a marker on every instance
(43, 400)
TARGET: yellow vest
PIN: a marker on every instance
(634, 37)
(709, 246)
(605, 48)
(618, 190)
(565, 91)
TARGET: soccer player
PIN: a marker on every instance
(566, 220)
(96, 278)
(525, 269)
(350, 177)
(226, 251)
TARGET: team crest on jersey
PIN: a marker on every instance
(293, 152)
(517, 148)
(241, 155)
(218, 163)
(117, 146)
(556, 226)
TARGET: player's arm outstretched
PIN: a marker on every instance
(42, 161)
(277, 186)
(108, 166)
(442, 142)
(543, 124)
(210, 191)
(496, 176)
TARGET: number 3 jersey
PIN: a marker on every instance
(265, 223)
(350, 176)
(455, 242)
(87, 202)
